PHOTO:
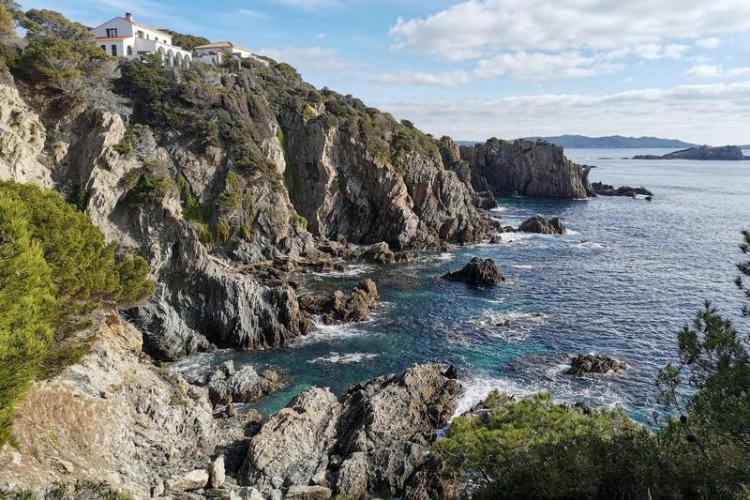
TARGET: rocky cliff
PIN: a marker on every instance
(526, 168)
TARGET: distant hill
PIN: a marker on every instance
(701, 153)
(609, 142)
(613, 142)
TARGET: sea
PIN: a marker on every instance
(623, 280)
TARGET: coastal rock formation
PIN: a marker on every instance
(540, 225)
(478, 272)
(372, 440)
(730, 153)
(336, 307)
(609, 190)
(594, 363)
(527, 168)
(114, 418)
(228, 384)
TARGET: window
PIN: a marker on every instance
(114, 50)
(139, 33)
(104, 48)
(111, 32)
(130, 50)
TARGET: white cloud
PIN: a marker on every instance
(310, 59)
(708, 43)
(468, 30)
(712, 113)
(710, 71)
(541, 66)
(408, 77)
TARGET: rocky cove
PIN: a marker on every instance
(249, 193)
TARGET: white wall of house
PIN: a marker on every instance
(123, 37)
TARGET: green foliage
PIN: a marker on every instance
(147, 186)
(54, 60)
(83, 489)
(54, 269)
(191, 207)
(6, 21)
(298, 219)
(187, 42)
(85, 271)
(27, 308)
(534, 448)
(40, 23)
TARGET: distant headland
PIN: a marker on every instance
(729, 153)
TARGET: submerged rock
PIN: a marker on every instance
(336, 307)
(594, 363)
(539, 224)
(478, 272)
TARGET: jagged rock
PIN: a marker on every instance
(380, 253)
(382, 429)
(243, 385)
(594, 363)
(527, 168)
(293, 441)
(150, 424)
(335, 307)
(393, 420)
(22, 138)
(609, 190)
(216, 472)
(157, 490)
(299, 492)
(193, 480)
(541, 225)
(477, 272)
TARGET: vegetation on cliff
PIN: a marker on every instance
(534, 448)
(55, 269)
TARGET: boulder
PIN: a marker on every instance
(216, 472)
(292, 442)
(540, 225)
(193, 480)
(478, 272)
(336, 307)
(380, 253)
(594, 363)
(243, 385)
(299, 492)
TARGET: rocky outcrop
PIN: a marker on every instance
(22, 138)
(526, 168)
(609, 190)
(594, 363)
(228, 384)
(373, 439)
(113, 418)
(337, 307)
(729, 153)
(478, 272)
(540, 225)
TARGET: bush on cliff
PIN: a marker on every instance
(27, 308)
(532, 448)
(55, 268)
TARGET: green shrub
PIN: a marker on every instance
(6, 22)
(54, 61)
(27, 308)
(55, 268)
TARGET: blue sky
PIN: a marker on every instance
(507, 68)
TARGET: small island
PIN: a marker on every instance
(730, 153)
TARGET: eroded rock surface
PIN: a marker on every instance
(541, 225)
(594, 363)
(337, 307)
(478, 272)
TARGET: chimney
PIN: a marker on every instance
(129, 16)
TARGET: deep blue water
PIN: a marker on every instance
(629, 275)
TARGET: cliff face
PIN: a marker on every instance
(527, 168)
(112, 418)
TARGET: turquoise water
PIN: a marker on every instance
(628, 275)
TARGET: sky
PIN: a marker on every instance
(496, 68)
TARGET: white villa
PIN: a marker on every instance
(123, 37)
(213, 53)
